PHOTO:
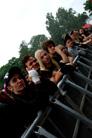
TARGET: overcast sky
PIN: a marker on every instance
(22, 19)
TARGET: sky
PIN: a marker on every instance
(22, 19)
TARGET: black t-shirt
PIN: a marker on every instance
(36, 98)
(14, 117)
(46, 74)
(57, 57)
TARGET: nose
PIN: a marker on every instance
(45, 56)
(19, 80)
(33, 63)
(53, 47)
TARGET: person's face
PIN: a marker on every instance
(63, 49)
(77, 34)
(16, 84)
(69, 43)
(72, 36)
(32, 63)
(81, 31)
(51, 49)
(45, 58)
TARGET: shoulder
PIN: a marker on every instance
(46, 74)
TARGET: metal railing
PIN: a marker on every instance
(71, 105)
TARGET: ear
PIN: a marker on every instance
(10, 88)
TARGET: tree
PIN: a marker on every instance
(64, 22)
(35, 43)
(23, 49)
(88, 6)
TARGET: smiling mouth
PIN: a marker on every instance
(36, 66)
(21, 85)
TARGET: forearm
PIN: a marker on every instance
(61, 53)
(64, 57)
(58, 76)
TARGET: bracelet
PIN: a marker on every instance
(37, 82)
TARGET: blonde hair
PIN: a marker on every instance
(69, 54)
(42, 66)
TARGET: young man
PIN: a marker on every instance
(54, 51)
(74, 50)
(28, 101)
(30, 63)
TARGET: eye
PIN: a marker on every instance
(45, 54)
(30, 63)
(20, 77)
(35, 60)
(41, 57)
(50, 46)
(14, 80)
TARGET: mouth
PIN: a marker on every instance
(54, 50)
(21, 85)
(36, 66)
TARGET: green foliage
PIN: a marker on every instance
(36, 42)
(88, 6)
(23, 49)
(65, 21)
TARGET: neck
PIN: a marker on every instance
(53, 54)
(48, 65)
(39, 72)
(20, 92)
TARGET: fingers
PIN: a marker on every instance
(27, 69)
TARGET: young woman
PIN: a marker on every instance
(48, 63)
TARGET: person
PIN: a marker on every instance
(75, 38)
(66, 52)
(30, 62)
(5, 97)
(54, 51)
(48, 63)
(28, 101)
(74, 50)
(90, 28)
(83, 36)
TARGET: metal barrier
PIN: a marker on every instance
(69, 114)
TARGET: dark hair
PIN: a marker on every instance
(24, 61)
(46, 43)
(65, 37)
(13, 70)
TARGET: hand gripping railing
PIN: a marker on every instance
(41, 116)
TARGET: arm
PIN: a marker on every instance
(61, 53)
(6, 98)
(86, 38)
(57, 75)
(87, 42)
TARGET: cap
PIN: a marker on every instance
(10, 74)
(65, 37)
(70, 33)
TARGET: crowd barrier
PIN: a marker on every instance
(69, 114)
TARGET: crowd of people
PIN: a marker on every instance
(24, 95)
